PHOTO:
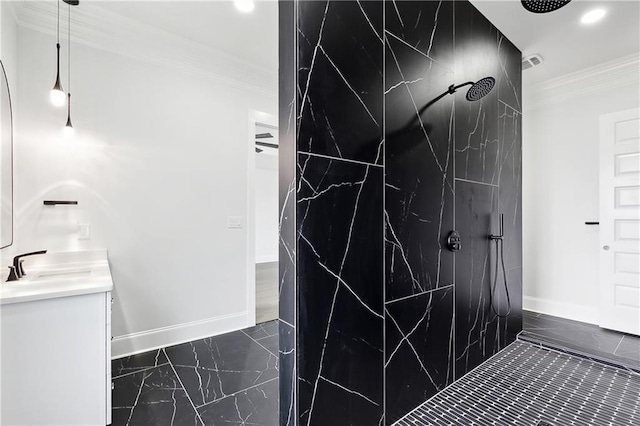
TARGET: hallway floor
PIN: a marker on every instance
(582, 339)
(526, 385)
(227, 379)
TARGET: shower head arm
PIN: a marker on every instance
(454, 88)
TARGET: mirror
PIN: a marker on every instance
(6, 162)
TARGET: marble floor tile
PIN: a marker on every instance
(629, 347)
(215, 367)
(139, 362)
(256, 406)
(270, 343)
(152, 397)
(260, 331)
(588, 339)
(229, 379)
(585, 335)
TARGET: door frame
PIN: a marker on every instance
(269, 120)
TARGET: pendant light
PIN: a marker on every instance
(57, 95)
(68, 128)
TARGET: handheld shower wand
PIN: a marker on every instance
(499, 239)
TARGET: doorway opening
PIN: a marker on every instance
(265, 194)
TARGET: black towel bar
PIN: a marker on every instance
(56, 203)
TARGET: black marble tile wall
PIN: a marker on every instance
(288, 375)
(378, 164)
(340, 324)
(510, 173)
(418, 170)
(287, 161)
(510, 205)
(339, 212)
(479, 331)
(514, 320)
(510, 76)
(419, 201)
(340, 79)
(488, 170)
(287, 128)
(425, 26)
(476, 57)
(419, 350)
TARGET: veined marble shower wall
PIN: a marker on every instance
(377, 165)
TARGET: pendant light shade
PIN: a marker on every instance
(68, 128)
(57, 95)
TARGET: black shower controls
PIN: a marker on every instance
(453, 241)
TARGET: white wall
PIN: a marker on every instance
(266, 208)
(158, 162)
(9, 56)
(561, 183)
(9, 43)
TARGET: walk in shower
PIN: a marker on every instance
(380, 159)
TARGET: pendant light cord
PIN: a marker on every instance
(69, 51)
(58, 27)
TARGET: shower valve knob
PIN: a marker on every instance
(453, 241)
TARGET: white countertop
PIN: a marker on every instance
(59, 274)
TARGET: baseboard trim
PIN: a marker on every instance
(134, 343)
(560, 309)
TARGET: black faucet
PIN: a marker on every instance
(501, 235)
(17, 271)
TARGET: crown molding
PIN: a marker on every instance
(621, 72)
(13, 8)
(99, 28)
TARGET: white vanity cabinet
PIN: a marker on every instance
(55, 366)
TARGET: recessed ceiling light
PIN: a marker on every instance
(245, 6)
(593, 16)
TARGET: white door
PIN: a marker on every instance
(620, 221)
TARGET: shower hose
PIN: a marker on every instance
(500, 261)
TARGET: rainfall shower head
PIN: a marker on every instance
(480, 89)
(477, 91)
(543, 6)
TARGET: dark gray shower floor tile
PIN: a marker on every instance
(216, 367)
(152, 397)
(257, 406)
(525, 384)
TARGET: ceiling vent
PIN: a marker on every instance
(531, 61)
